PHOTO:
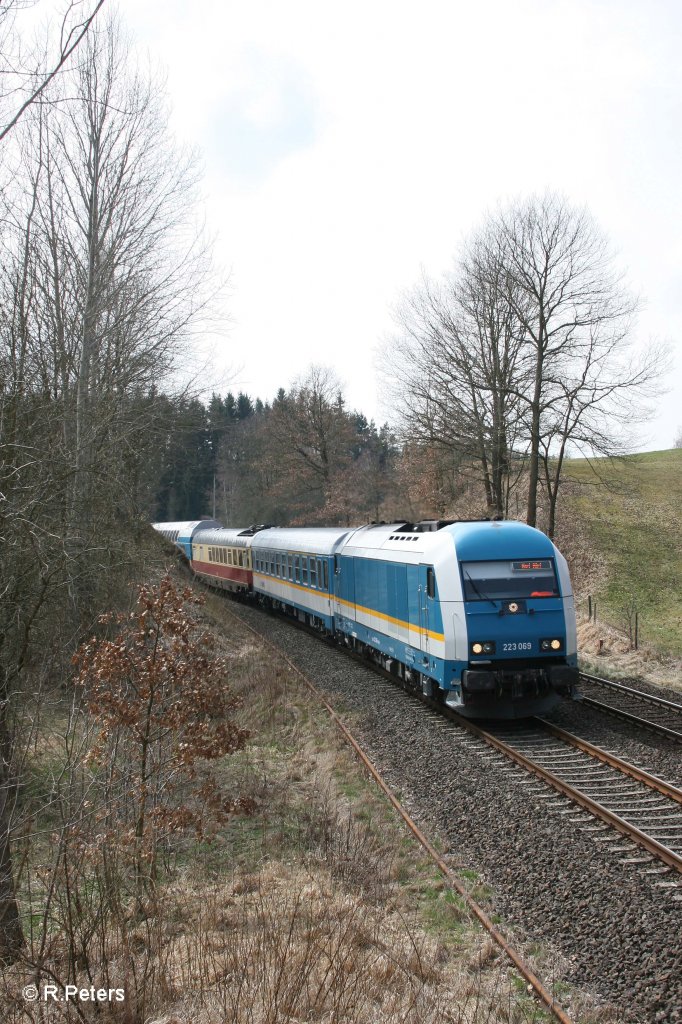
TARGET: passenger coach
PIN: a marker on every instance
(181, 534)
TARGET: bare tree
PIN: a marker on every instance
(310, 439)
(570, 305)
(523, 352)
(129, 260)
(454, 372)
(102, 280)
(26, 76)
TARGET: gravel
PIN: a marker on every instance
(554, 873)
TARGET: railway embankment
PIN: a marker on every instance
(606, 651)
(619, 528)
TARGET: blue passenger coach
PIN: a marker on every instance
(293, 569)
(182, 533)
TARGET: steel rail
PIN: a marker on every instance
(652, 781)
(598, 810)
(627, 716)
(649, 698)
(543, 994)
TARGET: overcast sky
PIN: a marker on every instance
(348, 145)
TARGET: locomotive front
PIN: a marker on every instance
(517, 635)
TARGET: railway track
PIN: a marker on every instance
(643, 808)
(655, 714)
(640, 806)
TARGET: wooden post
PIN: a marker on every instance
(636, 631)
(589, 607)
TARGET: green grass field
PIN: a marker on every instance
(630, 510)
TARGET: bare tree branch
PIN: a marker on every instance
(68, 44)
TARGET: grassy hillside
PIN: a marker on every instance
(630, 511)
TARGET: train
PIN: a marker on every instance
(477, 614)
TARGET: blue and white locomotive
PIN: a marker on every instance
(477, 614)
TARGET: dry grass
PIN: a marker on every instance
(606, 651)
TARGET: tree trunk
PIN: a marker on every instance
(11, 933)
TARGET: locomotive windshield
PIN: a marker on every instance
(493, 581)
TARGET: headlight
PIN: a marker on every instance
(554, 644)
(483, 647)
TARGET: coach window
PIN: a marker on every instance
(326, 575)
(297, 569)
(313, 573)
(430, 582)
(290, 566)
(304, 571)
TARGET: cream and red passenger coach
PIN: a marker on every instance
(223, 557)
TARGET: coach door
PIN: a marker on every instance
(418, 606)
(343, 587)
(426, 594)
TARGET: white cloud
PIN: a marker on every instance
(349, 144)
